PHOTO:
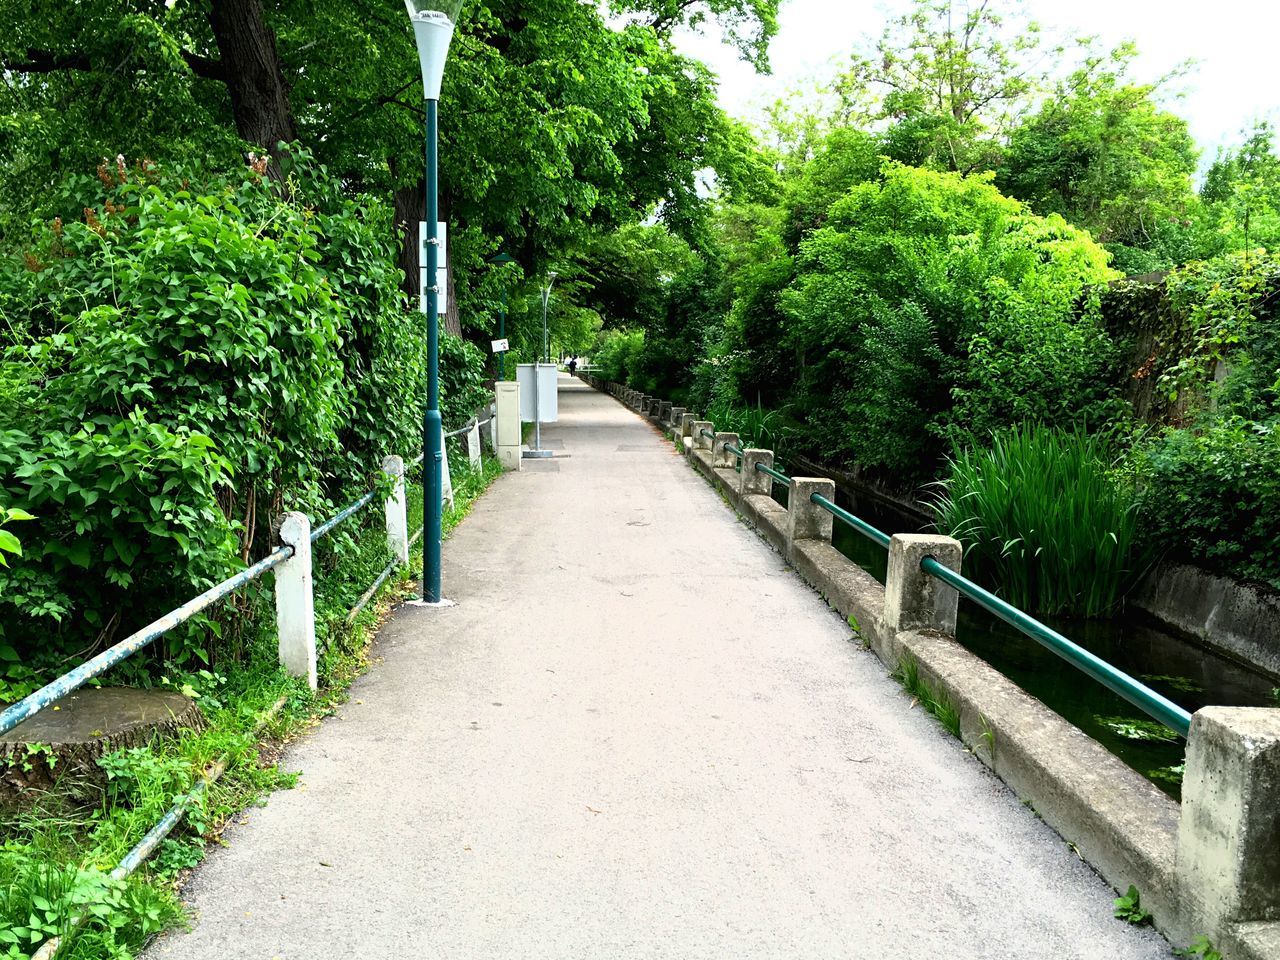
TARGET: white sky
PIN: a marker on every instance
(1235, 43)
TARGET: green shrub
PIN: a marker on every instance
(617, 354)
(1044, 522)
(181, 365)
(926, 303)
(1211, 496)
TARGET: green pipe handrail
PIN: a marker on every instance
(1115, 680)
(864, 528)
(776, 474)
(707, 433)
(734, 450)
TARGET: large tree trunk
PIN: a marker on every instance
(410, 208)
(251, 68)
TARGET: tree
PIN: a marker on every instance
(1241, 191)
(950, 77)
(1103, 153)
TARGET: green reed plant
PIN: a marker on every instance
(1044, 521)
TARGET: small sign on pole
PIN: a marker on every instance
(442, 269)
(500, 346)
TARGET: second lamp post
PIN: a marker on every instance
(433, 23)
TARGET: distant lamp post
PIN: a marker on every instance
(433, 23)
(546, 297)
(501, 260)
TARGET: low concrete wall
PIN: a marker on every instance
(1240, 620)
(1117, 820)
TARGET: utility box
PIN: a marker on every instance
(506, 422)
(538, 401)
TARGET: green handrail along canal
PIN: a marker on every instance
(776, 474)
(1156, 706)
(1117, 681)
(864, 528)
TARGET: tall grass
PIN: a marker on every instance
(755, 426)
(1044, 522)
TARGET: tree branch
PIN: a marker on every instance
(46, 61)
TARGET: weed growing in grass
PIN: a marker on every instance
(908, 674)
(988, 735)
(1129, 908)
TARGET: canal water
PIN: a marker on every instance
(1188, 674)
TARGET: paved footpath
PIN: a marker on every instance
(638, 735)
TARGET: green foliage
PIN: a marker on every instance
(927, 289)
(1102, 153)
(183, 361)
(950, 76)
(9, 543)
(617, 354)
(1200, 947)
(1212, 495)
(1044, 522)
(943, 710)
(1129, 908)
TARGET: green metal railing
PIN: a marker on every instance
(1117, 681)
(736, 451)
(776, 474)
(707, 433)
(1156, 706)
(864, 528)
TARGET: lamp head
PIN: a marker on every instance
(433, 23)
(502, 257)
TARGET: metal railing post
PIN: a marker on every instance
(295, 603)
(396, 510)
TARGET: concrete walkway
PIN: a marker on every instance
(638, 735)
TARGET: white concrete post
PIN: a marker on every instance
(664, 411)
(720, 457)
(1228, 859)
(397, 513)
(673, 421)
(295, 604)
(699, 441)
(805, 519)
(753, 481)
(685, 428)
(913, 600)
(473, 445)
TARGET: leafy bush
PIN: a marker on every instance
(1044, 522)
(928, 291)
(1211, 496)
(183, 363)
(617, 354)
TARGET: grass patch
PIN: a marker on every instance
(56, 856)
(946, 713)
